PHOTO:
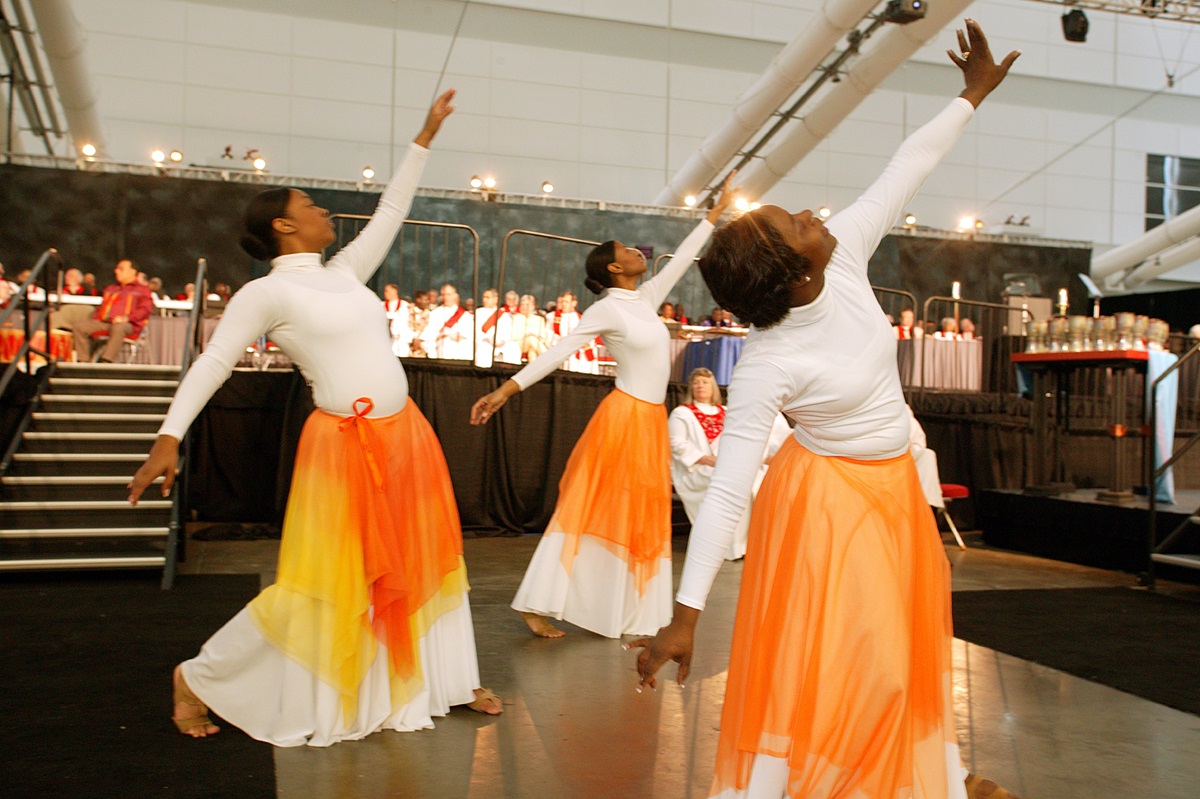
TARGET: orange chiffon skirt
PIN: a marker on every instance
(841, 646)
(616, 487)
(371, 551)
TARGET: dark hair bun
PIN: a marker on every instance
(255, 248)
(594, 286)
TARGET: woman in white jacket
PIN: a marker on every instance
(695, 428)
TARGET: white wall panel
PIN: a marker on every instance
(535, 101)
(533, 139)
(125, 56)
(352, 122)
(340, 80)
(622, 148)
(225, 68)
(249, 111)
(220, 26)
(340, 41)
(622, 111)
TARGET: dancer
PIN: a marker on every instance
(839, 676)
(367, 626)
(604, 561)
(695, 427)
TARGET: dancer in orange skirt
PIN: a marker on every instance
(367, 626)
(839, 676)
(604, 560)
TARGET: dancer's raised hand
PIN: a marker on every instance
(162, 462)
(980, 71)
(442, 108)
(724, 199)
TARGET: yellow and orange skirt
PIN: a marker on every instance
(369, 607)
(839, 677)
(603, 562)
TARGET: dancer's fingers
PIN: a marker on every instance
(685, 668)
(962, 42)
(958, 61)
(168, 481)
(1007, 63)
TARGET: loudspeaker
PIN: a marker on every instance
(903, 12)
(1075, 25)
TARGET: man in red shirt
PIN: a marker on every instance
(123, 311)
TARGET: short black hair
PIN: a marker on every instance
(259, 240)
(598, 276)
(750, 271)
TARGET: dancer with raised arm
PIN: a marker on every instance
(367, 626)
(839, 682)
(604, 561)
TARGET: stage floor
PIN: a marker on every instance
(574, 725)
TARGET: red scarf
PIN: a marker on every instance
(712, 425)
(556, 325)
(490, 323)
(453, 320)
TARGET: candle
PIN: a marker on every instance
(954, 290)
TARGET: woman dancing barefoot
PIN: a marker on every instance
(367, 626)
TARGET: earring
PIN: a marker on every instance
(807, 279)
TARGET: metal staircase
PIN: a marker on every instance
(63, 499)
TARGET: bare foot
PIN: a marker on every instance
(979, 788)
(541, 626)
(487, 703)
(190, 715)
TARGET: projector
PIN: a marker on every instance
(903, 12)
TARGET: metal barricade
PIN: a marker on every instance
(978, 363)
(424, 256)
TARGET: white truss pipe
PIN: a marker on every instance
(1164, 262)
(891, 49)
(1174, 231)
(64, 43)
(786, 73)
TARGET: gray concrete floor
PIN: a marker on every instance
(574, 726)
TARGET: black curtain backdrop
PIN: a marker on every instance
(1180, 309)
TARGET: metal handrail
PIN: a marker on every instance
(26, 350)
(176, 539)
(1153, 473)
(504, 257)
(1026, 316)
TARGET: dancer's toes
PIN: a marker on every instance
(979, 788)
(541, 626)
(487, 703)
(190, 714)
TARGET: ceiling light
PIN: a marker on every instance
(176, 156)
(368, 173)
(979, 224)
(689, 200)
(489, 183)
(824, 212)
(742, 204)
(158, 156)
(910, 219)
(88, 149)
(547, 186)
(966, 223)
(476, 182)
(260, 164)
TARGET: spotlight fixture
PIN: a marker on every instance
(158, 156)
(910, 220)
(979, 224)
(742, 204)
(368, 173)
(902, 12)
(824, 212)
(476, 182)
(547, 187)
(1075, 25)
(260, 163)
(89, 150)
(966, 223)
(690, 200)
(176, 156)
(489, 183)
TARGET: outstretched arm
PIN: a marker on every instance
(361, 257)
(864, 224)
(658, 287)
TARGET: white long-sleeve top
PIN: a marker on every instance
(829, 365)
(628, 323)
(322, 317)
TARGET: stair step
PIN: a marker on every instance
(120, 387)
(1187, 561)
(71, 505)
(65, 464)
(88, 532)
(97, 422)
(36, 441)
(50, 564)
(55, 399)
(113, 511)
(128, 371)
(103, 403)
(68, 488)
(50, 416)
(82, 479)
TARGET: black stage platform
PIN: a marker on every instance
(1077, 527)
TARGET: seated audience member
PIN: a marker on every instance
(450, 329)
(188, 293)
(512, 302)
(666, 312)
(493, 331)
(155, 285)
(719, 318)
(418, 320)
(397, 313)
(966, 328)
(6, 289)
(529, 329)
(34, 292)
(121, 314)
(73, 283)
(949, 329)
(143, 278)
(908, 328)
(89, 284)
(680, 316)
(1193, 331)
(564, 320)
(469, 304)
(695, 429)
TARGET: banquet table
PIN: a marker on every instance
(947, 364)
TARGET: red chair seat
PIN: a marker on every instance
(954, 491)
